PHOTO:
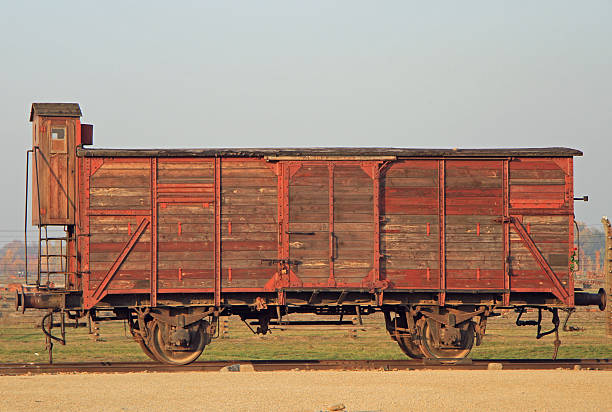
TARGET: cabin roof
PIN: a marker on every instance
(55, 110)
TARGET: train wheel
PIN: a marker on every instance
(433, 347)
(410, 348)
(405, 342)
(134, 330)
(160, 336)
(147, 351)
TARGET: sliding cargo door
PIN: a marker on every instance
(309, 229)
(410, 225)
(474, 232)
(354, 224)
(330, 222)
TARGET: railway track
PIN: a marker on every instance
(307, 365)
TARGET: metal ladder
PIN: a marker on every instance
(52, 259)
(53, 256)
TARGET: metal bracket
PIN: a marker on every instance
(538, 323)
(185, 319)
(454, 317)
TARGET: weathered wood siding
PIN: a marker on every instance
(353, 224)
(541, 191)
(119, 184)
(53, 171)
(540, 194)
(249, 223)
(474, 231)
(330, 212)
(331, 227)
(185, 230)
(410, 232)
(186, 223)
(309, 222)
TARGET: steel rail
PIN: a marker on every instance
(304, 365)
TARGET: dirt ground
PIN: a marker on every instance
(559, 390)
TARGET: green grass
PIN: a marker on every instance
(503, 340)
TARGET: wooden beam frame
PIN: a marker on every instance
(153, 281)
(558, 290)
(506, 229)
(442, 230)
(101, 291)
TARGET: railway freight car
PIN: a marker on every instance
(171, 240)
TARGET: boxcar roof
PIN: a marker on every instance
(324, 152)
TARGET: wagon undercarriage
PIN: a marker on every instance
(179, 332)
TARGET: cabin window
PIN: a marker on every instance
(58, 140)
(58, 133)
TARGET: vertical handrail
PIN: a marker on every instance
(39, 256)
(47, 253)
(64, 252)
(35, 148)
(25, 215)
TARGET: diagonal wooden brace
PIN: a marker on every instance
(100, 291)
(558, 290)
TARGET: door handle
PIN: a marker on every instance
(334, 251)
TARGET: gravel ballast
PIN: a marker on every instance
(557, 390)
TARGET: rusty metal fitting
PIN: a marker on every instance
(26, 299)
(591, 299)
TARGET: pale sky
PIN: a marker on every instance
(314, 73)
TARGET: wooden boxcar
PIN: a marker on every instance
(172, 239)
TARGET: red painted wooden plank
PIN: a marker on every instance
(479, 165)
(413, 278)
(480, 210)
(519, 190)
(533, 164)
(128, 291)
(475, 202)
(118, 212)
(471, 284)
(129, 161)
(490, 274)
(474, 192)
(415, 164)
(411, 192)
